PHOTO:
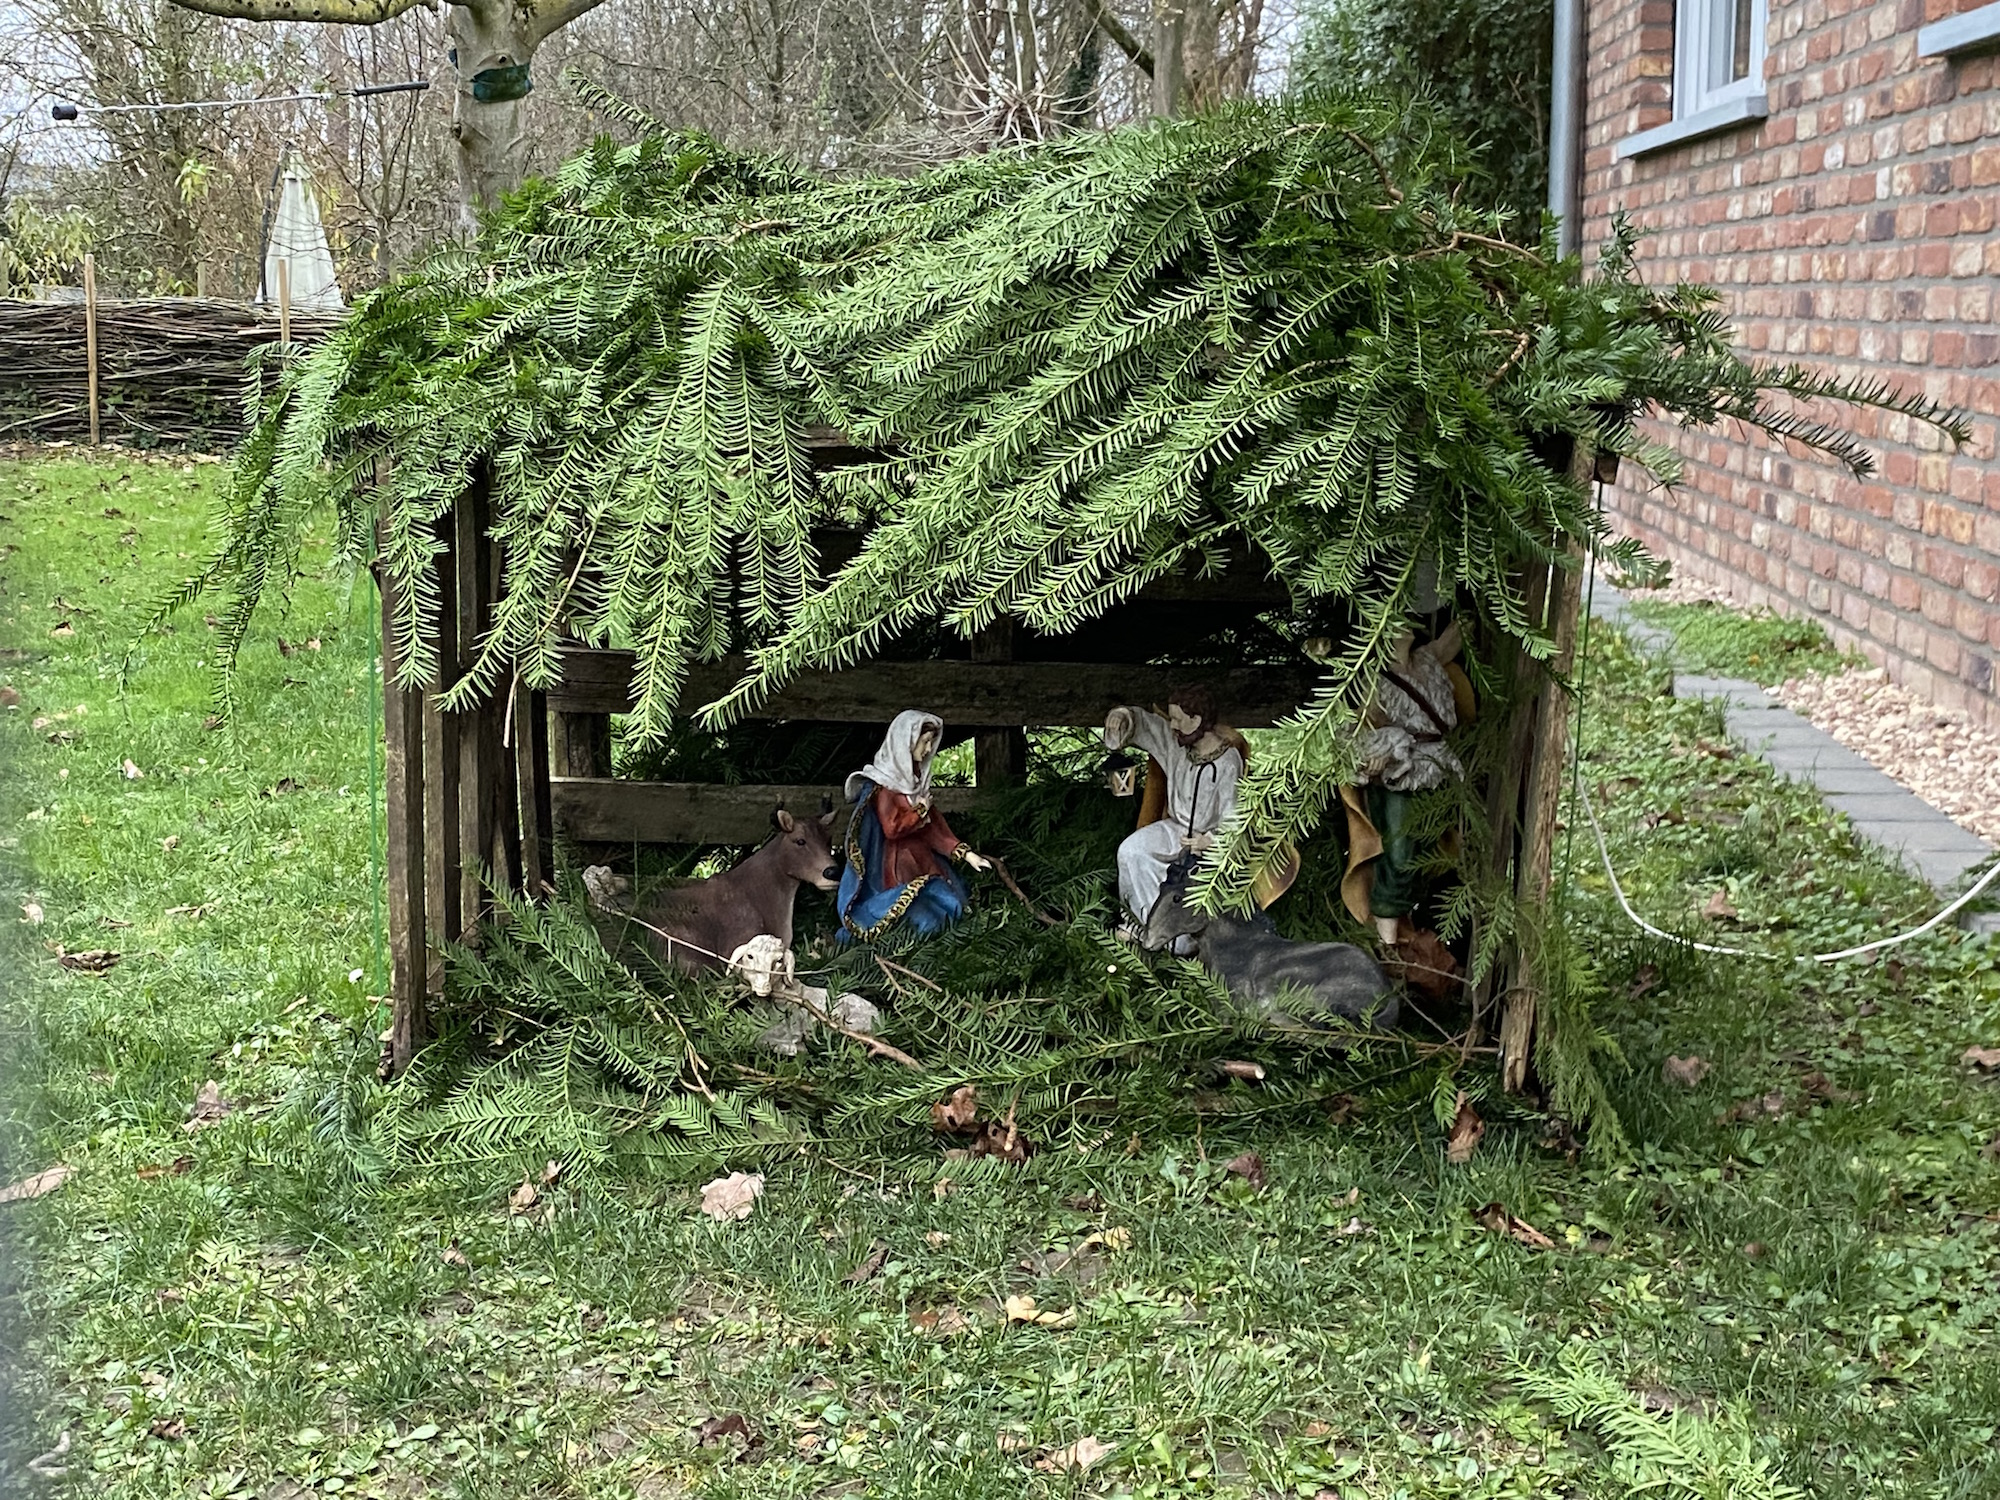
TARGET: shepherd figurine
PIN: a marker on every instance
(900, 851)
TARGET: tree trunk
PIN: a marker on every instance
(492, 139)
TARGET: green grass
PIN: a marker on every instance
(1757, 644)
(1812, 1290)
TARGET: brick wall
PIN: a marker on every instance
(1852, 230)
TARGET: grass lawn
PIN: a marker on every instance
(1790, 1279)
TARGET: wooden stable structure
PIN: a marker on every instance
(484, 794)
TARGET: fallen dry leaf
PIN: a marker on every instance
(63, 631)
(1771, 1104)
(1249, 1072)
(46, 1181)
(1013, 1442)
(1643, 982)
(132, 771)
(1686, 1071)
(1495, 1217)
(1986, 1059)
(180, 1166)
(943, 1322)
(943, 1188)
(208, 1108)
(524, 1197)
(31, 913)
(715, 1429)
(1352, 1227)
(1250, 1167)
(937, 1239)
(1080, 1455)
(1991, 1150)
(1467, 1129)
(451, 1255)
(170, 1429)
(732, 1197)
(1318, 1429)
(1718, 908)
(91, 961)
(871, 1264)
(10, 697)
(1818, 1086)
(170, 843)
(1023, 1309)
(958, 1115)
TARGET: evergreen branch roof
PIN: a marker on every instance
(1085, 362)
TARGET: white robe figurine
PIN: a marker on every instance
(1201, 793)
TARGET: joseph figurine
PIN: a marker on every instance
(1200, 761)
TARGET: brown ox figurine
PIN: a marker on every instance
(698, 926)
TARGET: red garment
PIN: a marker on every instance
(913, 840)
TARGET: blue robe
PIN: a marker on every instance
(868, 905)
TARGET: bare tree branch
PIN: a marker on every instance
(352, 12)
(1111, 26)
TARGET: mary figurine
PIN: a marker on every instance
(900, 850)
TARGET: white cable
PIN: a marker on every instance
(1618, 890)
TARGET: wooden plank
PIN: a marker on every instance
(1034, 693)
(531, 731)
(404, 862)
(583, 742)
(604, 810)
(443, 853)
(478, 734)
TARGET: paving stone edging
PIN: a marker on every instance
(1880, 809)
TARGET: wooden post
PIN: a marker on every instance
(442, 852)
(285, 301)
(1548, 759)
(999, 756)
(201, 283)
(90, 337)
(479, 730)
(403, 786)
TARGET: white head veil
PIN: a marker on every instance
(895, 764)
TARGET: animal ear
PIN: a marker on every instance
(784, 820)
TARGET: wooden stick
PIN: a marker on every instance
(285, 301)
(90, 337)
(1545, 781)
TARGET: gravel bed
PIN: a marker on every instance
(1952, 764)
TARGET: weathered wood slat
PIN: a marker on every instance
(604, 810)
(478, 736)
(1035, 693)
(444, 853)
(403, 865)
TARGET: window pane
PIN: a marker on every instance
(1739, 58)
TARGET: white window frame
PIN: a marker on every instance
(1703, 53)
(1703, 50)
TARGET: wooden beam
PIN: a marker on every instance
(603, 810)
(443, 855)
(1034, 693)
